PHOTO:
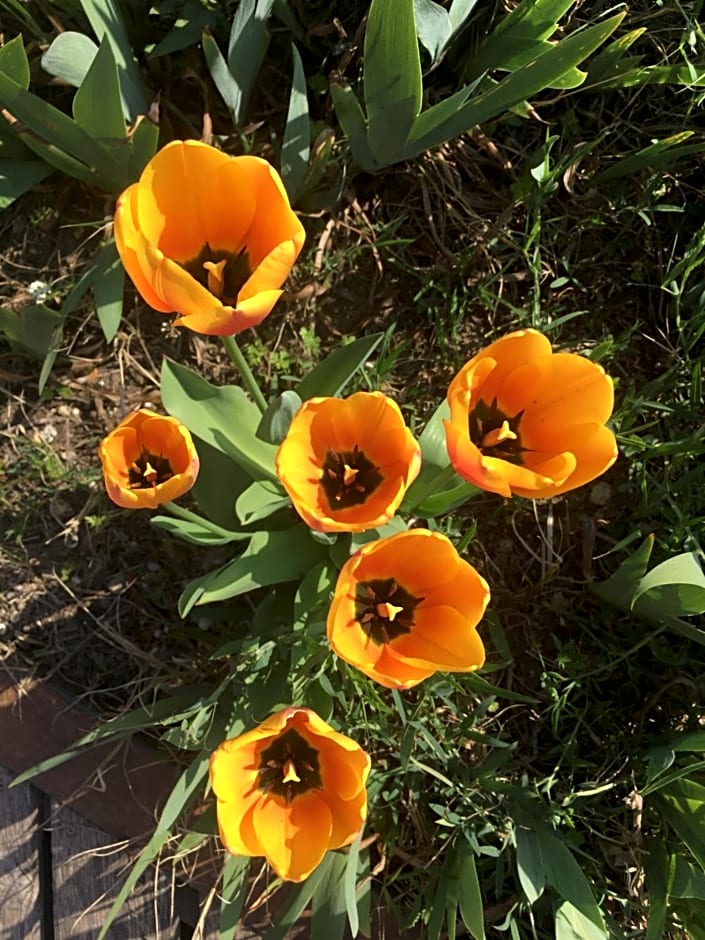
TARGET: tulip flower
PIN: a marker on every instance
(208, 236)
(148, 460)
(406, 607)
(529, 422)
(346, 463)
(290, 789)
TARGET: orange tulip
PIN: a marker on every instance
(290, 789)
(346, 463)
(149, 459)
(406, 607)
(208, 236)
(529, 422)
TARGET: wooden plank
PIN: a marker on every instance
(88, 872)
(20, 841)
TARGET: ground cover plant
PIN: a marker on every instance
(460, 245)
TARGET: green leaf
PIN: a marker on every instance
(259, 501)
(222, 416)
(683, 804)
(108, 287)
(563, 874)
(222, 79)
(392, 76)
(313, 594)
(469, 894)
(352, 121)
(274, 424)
(183, 791)
(233, 894)
(350, 886)
(14, 63)
(206, 533)
(105, 17)
(17, 176)
(608, 62)
(32, 329)
(328, 907)
(619, 588)
(688, 881)
(296, 142)
(674, 588)
(532, 877)
(69, 57)
(270, 558)
(659, 870)
(433, 27)
(219, 483)
(572, 924)
(187, 29)
(96, 105)
(142, 145)
(297, 900)
(331, 376)
(247, 47)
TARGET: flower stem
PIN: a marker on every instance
(243, 368)
(189, 516)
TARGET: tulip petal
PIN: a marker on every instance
(554, 391)
(274, 222)
(397, 672)
(510, 353)
(129, 241)
(235, 824)
(443, 638)
(421, 561)
(594, 450)
(469, 463)
(173, 215)
(348, 817)
(234, 769)
(293, 837)
(271, 272)
(228, 204)
(343, 771)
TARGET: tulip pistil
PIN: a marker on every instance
(384, 609)
(149, 470)
(349, 477)
(495, 433)
(223, 273)
(289, 767)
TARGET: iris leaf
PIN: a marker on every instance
(296, 142)
(233, 894)
(96, 105)
(331, 376)
(108, 287)
(69, 57)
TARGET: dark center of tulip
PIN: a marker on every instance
(220, 272)
(348, 478)
(384, 609)
(495, 433)
(289, 767)
(149, 470)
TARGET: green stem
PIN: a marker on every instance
(189, 516)
(435, 483)
(248, 378)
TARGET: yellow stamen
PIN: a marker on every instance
(349, 474)
(290, 775)
(388, 611)
(503, 433)
(150, 474)
(215, 276)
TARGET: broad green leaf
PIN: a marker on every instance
(331, 376)
(659, 870)
(297, 900)
(433, 27)
(14, 63)
(270, 558)
(205, 533)
(222, 79)
(69, 57)
(105, 17)
(108, 287)
(469, 894)
(563, 874)
(532, 876)
(259, 501)
(607, 63)
(688, 881)
(313, 594)
(220, 481)
(392, 76)
(274, 424)
(296, 142)
(328, 908)
(180, 796)
(619, 588)
(517, 87)
(247, 47)
(187, 29)
(143, 140)
(32, 329)
(233, 894)
(97, 108)
(350, 886)
(222, 416)
(572, 924)
(676, 587)
(683, 804)
(17, 176)
(459, 11)
(352, 121)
